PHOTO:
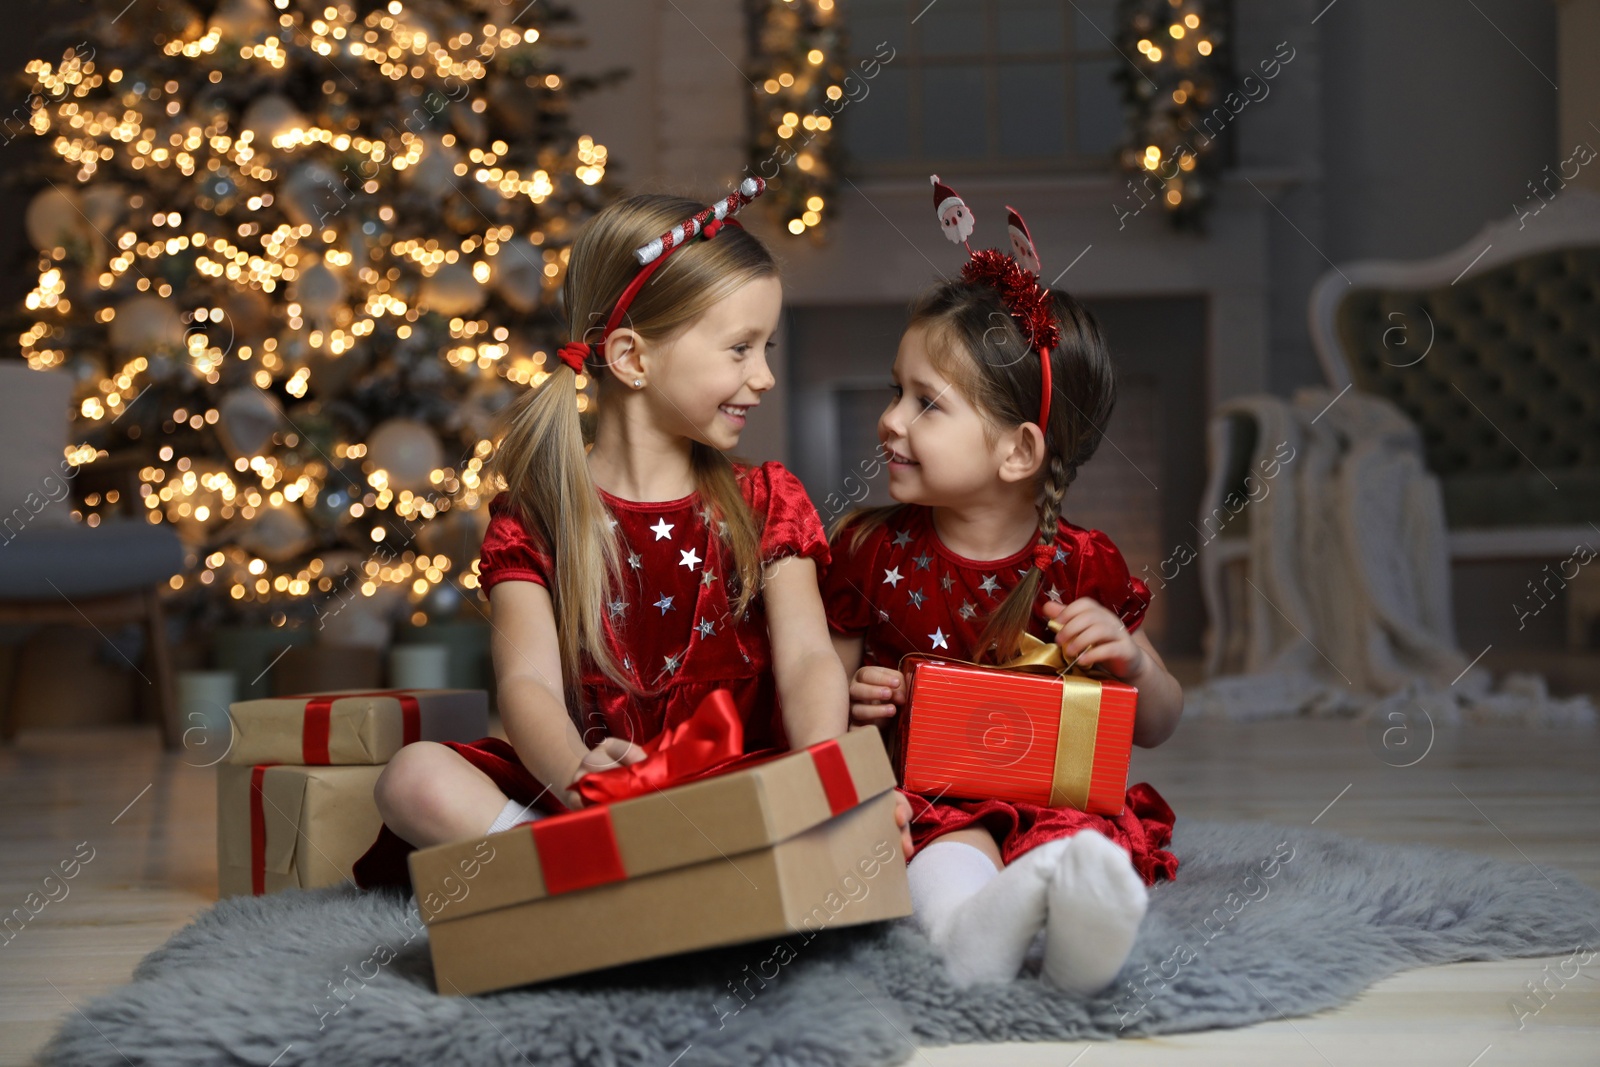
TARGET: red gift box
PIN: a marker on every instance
(1024, 732)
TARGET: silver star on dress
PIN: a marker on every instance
(690, 558)
(633, 560)
(947, 582)
(662, 528)
(611, 521)
(989, 585)
(1053, 593)
(705, 514)
(917, 598)
(708, 576)
(665, 604)
(671, 663)
(1061, 555)
(892, 577)
(922, 561)
(617, 607)
(937, 637)
(967, 610)
(706, 627)
(902, 539)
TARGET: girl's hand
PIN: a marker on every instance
(873, 694)
(612, 752)
(902, 819)
(1091, 634)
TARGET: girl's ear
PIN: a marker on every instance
(1023, 453)
(624, 354)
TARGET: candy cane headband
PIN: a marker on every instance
(706, 223)
(1015, 277)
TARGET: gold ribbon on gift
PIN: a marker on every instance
(1080, 715)
(1080, 720)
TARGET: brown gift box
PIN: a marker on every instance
(353, 726)
(801, 842)
(281, 827)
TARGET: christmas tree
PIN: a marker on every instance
(296, 254)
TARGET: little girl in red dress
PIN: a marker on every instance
(1002, 391)
(632, 568)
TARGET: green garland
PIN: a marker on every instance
(1174, 99)
(797, 77)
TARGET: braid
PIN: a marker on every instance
(1052, 491)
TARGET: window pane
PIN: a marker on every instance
(877, 127)
(872, 21)
(951, 27)
(1099, 109)
(1033, 109)
(1093, 22)
(953, 112)
(1030, 25)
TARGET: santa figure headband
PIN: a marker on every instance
(1015, 277)
(706, 223)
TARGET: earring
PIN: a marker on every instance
(638, 383)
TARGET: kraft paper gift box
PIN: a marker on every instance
(793, 844)
(287, 827)
(353, 726)
(1026, 731)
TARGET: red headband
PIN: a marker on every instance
(707, 223)
(1015, 277)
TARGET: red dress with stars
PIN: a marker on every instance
(670, 625)
(903, 591)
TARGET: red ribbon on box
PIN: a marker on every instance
(319, 716)
(579, 850)
(258, 830)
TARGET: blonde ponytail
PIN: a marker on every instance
(541, 459)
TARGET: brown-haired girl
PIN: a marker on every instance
(1002, 391)
(632, 568)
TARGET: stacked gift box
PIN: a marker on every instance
(294, 794)
(716, 849)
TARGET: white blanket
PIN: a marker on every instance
(1348, 580)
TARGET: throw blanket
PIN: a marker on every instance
(1348, 578)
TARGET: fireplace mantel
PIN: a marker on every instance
(882, 247)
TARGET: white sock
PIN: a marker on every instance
(1097, 901)
(943, 875)
(984, 934)
(513, 814)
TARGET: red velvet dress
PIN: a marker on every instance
(670, 625)
(903, 591)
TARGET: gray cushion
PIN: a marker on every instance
(84, 561)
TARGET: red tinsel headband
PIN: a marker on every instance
(1015, 277)
(706, 223)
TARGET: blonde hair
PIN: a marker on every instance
(977, 345)
(540, 457)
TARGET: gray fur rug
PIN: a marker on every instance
(1261, 920)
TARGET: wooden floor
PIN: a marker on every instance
(148, 817)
